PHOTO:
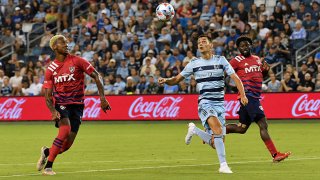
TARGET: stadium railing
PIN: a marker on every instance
(304, 52)
(279, 71)
(11, 51)
(39, 32)
(79, 13)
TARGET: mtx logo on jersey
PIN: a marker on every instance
(253, 68)
(64, 78)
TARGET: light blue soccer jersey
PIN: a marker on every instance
(209, 75)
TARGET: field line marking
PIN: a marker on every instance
(156, 167)
(118, 161)
(87, 162)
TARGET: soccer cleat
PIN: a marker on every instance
(190, 133)
(43, 159)
(48, 172)
(225, 170)
(281, 156)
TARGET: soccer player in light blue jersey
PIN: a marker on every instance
(208, 71)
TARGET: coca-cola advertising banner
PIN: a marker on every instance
(163, 107)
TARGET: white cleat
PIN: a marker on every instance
(48, 172)
(42, 160)
(225, 170)
(190, 133)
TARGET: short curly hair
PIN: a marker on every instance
(243, 38)
(54, 39)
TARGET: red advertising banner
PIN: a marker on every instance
(163, 107)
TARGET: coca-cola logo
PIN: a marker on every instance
(92, 109)
(232, 108)
(304, 106)
(167, 107)
(10, 109)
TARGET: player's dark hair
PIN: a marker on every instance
(243, 38)
(205, 36)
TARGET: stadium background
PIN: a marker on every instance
(132, 49)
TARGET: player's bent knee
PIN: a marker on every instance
(217, 131)
(242, 128)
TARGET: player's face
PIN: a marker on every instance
(62, 46)
(204, 45)
(244, 48)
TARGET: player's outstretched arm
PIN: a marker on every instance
(171, 81)
(104, 103)
(49, 102)
(236, 79)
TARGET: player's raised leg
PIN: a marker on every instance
(194, 130)
(244, 122)
(237, 128)
(277, 156)
(204, 113)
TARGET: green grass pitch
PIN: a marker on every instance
(156, 150)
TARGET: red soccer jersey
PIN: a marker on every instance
(67, 79)
(249, 71)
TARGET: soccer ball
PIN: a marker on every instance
(165, 12)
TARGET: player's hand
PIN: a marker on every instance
(105, 105)
(161, 80)
(244, 100)
(55, 115)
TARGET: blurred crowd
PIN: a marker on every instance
(131, 49)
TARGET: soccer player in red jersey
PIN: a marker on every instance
(64, 94)
(250, 70)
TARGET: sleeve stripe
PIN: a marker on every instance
(239, 58)
(54, 64)
(88, 67)
(50, 68)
